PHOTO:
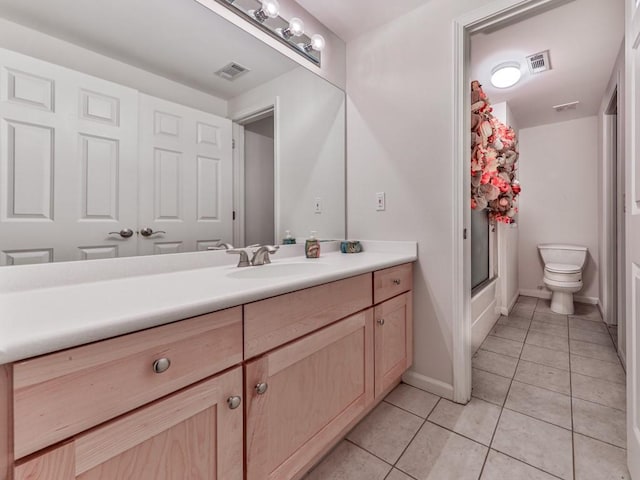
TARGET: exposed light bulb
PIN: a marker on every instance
(271, 8)
(317, 42)
(296, 27)
(506, 75)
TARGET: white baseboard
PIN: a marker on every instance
(428, 384)
(546, 295)
(505, 310)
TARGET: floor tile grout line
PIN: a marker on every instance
(404, 409)
(573, 446)
(414, 437)
(504, 402)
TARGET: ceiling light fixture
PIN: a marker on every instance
(269, 9)
(295, 29)
(506, 75)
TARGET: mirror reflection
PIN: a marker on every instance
(155, 126)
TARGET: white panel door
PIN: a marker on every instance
(186, 178)
(68, 173)
(632, 158)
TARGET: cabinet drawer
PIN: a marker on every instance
(59, 395)
(275, 321)
(392, 281)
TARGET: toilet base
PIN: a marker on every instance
(562, 303)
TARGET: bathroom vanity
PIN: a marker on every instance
(259, 388)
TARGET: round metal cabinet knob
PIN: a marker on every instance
(261, 388)
(234, 402)
(381, 321)
(161, 365)
(396, 281)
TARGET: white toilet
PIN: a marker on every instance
(563, 266)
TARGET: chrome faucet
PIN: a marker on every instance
(260, 255)
(221, 246)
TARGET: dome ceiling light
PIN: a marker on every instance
(506, 75)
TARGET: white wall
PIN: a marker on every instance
(310, 149)
(559, 201)
(400, 141)
(50, 49)
(258, 185)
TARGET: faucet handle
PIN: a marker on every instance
(244, 258)
(221, 246)
(270, 249)
(261, 255)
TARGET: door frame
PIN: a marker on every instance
(242, 118)
(491, 15)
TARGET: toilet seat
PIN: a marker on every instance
(562, 268)
(563, 273)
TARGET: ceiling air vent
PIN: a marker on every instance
(566, 106)
(232, 71)
(539, 62)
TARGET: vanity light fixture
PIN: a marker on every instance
(317, 43)
(264, 14)
(269, 9)
(506, 75)
(295, 29)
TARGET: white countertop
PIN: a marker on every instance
(80, 302)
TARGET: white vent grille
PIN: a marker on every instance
(232, 71)
(539, 62)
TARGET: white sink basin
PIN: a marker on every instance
(274, 270)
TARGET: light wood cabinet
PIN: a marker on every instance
(303, 369)
(393, 341)
(315, 388)
(192, 434)
(65, 393)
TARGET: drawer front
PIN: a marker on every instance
(392, 281)
(59, 395)
(275, 321)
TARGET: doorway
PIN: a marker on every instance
(255, 175)
(615, 221)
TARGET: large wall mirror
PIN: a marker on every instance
(138, 127)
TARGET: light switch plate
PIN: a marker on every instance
(381, 203)
(317, 205)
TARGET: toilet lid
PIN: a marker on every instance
(562, 268)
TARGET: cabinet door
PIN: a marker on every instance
(192, 434)
(393, 340)
(315, 388)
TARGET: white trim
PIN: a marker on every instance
(483, 325)
(428, 384)
(546, 295)
(505, 310)
(491, 14)
(238, 184)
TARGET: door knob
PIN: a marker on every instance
(147, 232)
(124, 233)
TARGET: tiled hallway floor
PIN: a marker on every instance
(548, 402)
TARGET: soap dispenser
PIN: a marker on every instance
(288, 238)
(312, 246)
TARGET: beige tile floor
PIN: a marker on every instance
(548, 402)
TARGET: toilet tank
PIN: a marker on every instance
(565, 254)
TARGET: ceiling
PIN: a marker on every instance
(348, 18)
(583, 36)
(177, 39)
